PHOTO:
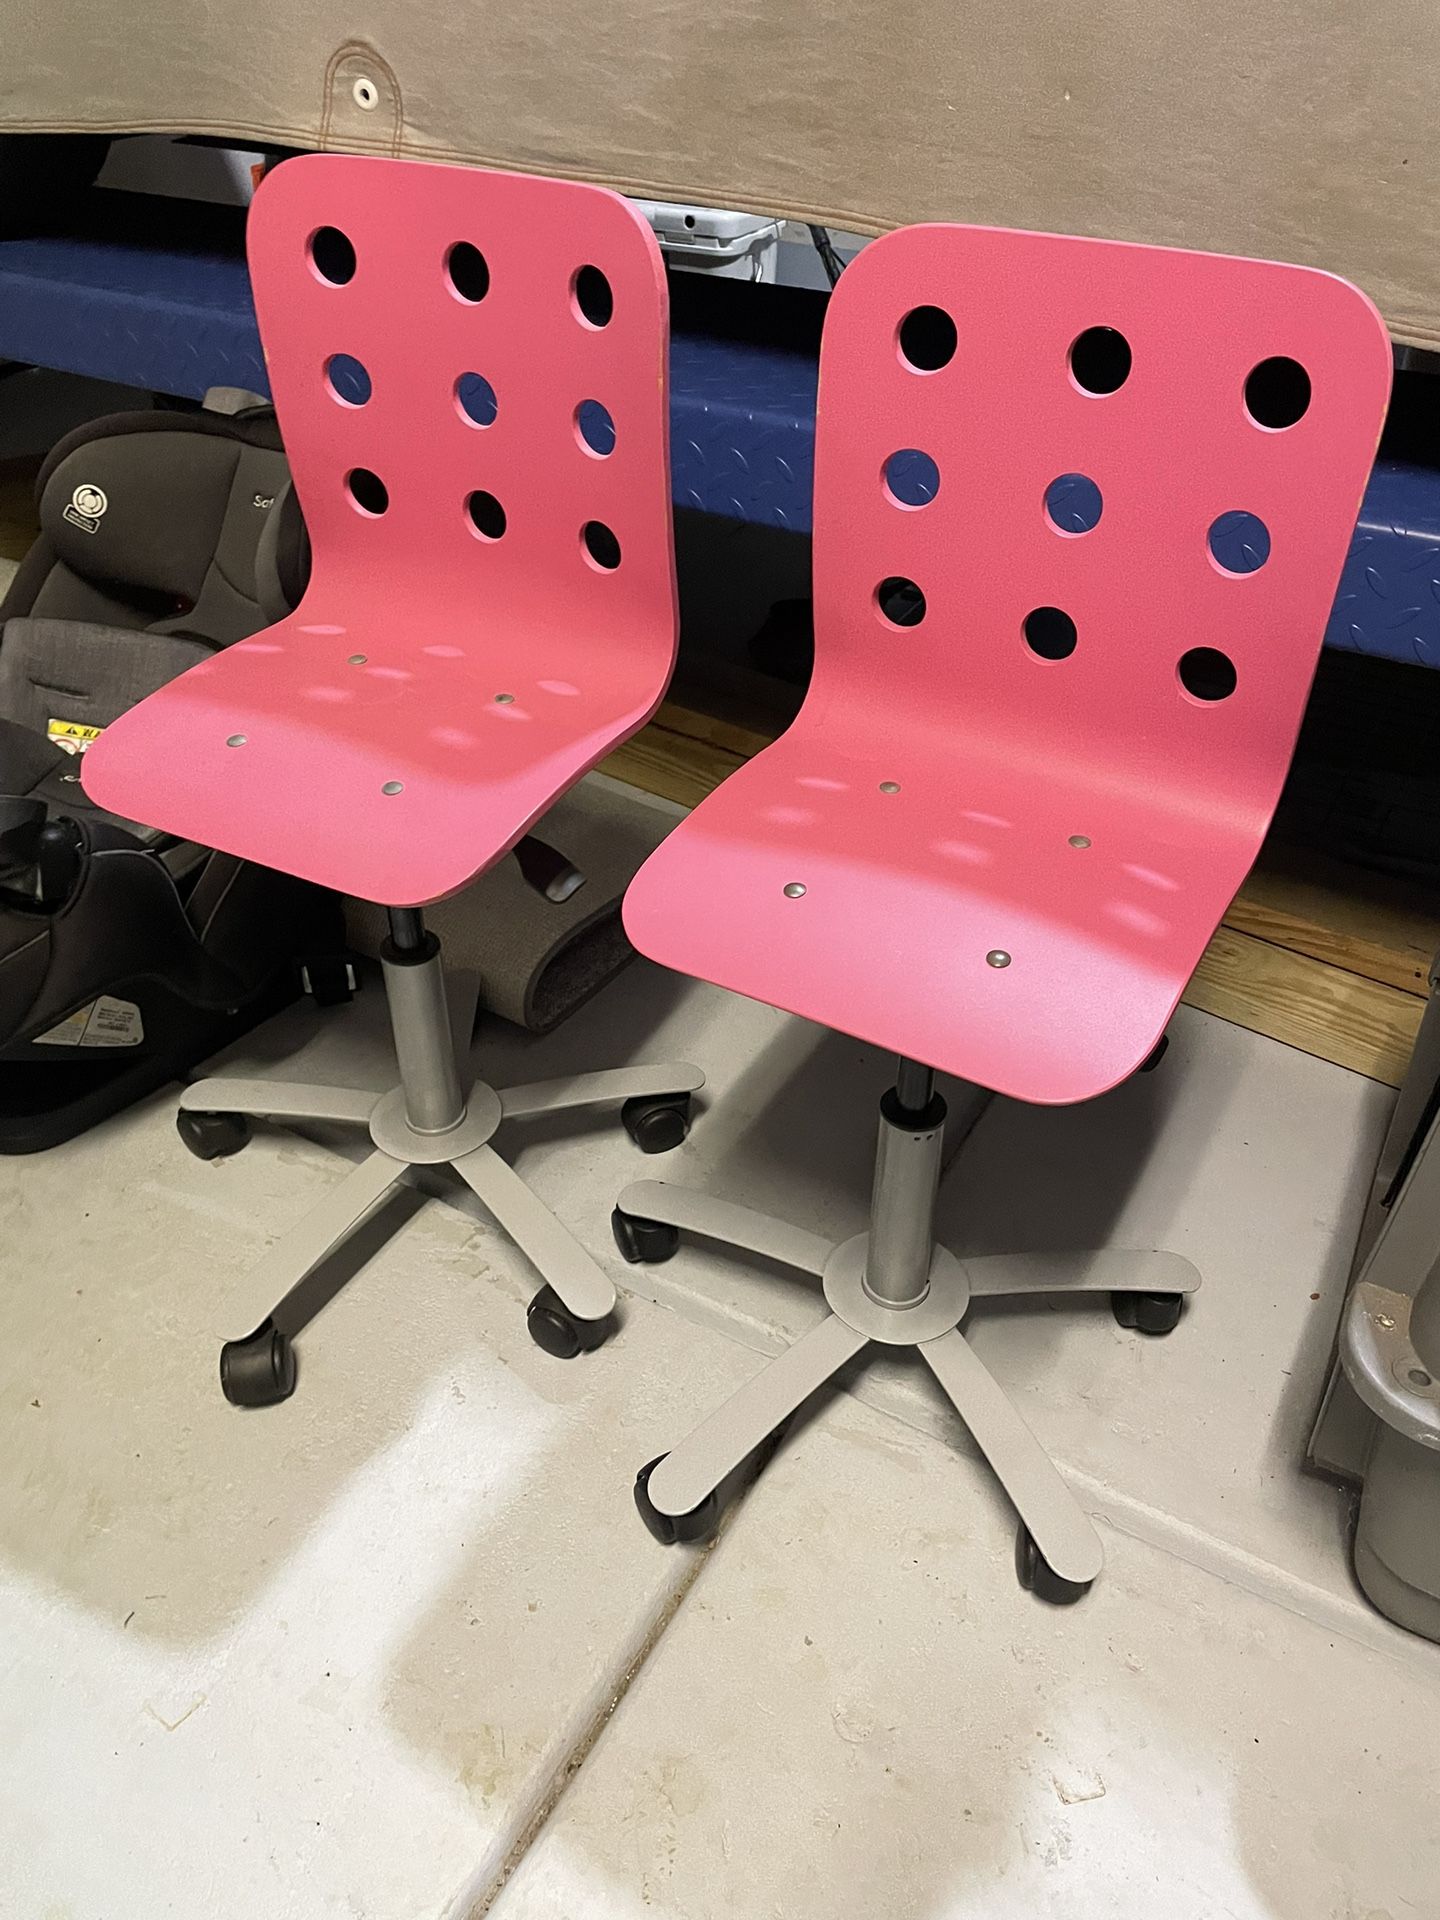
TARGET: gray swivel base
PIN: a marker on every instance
(427, 1120)
(893, 1287)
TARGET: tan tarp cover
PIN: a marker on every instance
(1304, 130)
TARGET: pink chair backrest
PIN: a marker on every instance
(1220, 414)
(482, 356)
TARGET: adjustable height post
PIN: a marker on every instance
(420, 1020)
(914, 1085)
(907, 1174)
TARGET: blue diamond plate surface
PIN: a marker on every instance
(161, 300)
(1240, 542)
(175, 318)
(1389, 598)
(1074, 503)
(742, 435)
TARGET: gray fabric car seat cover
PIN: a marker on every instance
(150, 524)
(74, 672)
(78, 671)
(157, 528)
(282, 558)
(27, 759)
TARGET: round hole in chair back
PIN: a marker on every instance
(368, 491)
(595, 428)
(900, 601)
(594, 302)
(468, 272)
(487, 516)
(1100, 360)
(1277, 392)
(912, 478)
(475, 399)
(927, 339)
(1207, 674)
(348, 379)
(1050, 633)
(1073, 503)
(601, 545)
(1239, 542)
(332, 255)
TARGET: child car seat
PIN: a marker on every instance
(126, 957)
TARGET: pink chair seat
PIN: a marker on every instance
(448, 674)
(1011, 861)
(325, 738)
(912, 895)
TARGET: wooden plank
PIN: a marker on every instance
(711, 731)
(660, 761)
(1366, 923)
(1337, 1016)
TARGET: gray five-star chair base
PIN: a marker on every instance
(893, 1286)
(429, 1119)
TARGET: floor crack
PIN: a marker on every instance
(579, 1753)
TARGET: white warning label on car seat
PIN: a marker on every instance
(106, 1022)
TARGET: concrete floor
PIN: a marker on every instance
(401, 1648)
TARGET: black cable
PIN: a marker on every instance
(829, 259)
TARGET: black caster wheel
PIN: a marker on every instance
(656, 1122)
(209, 1135)
(1155, 1055)
(1037, 1576)
(260, 1370)
(674, 1529)
(329, 979)
(553, 1327)
(643, 1242)
(1153, 1313)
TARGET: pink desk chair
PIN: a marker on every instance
(1034, 764)
(469, 370)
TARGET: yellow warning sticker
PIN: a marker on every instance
(73, 735)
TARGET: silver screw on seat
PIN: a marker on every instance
(393, 786)
(794, 890)
(504, 699)
(236, 740)
(889, 786)
(997, 957)
(1079, 839)
(358, 659)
